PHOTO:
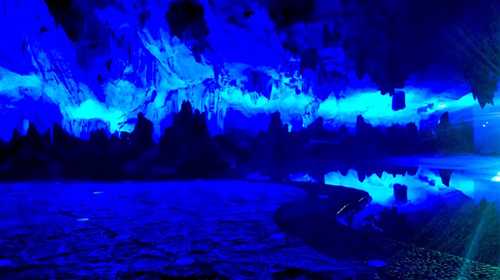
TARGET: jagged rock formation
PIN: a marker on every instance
(187, 149)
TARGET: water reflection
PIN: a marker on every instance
(381, 188)
(475, 176)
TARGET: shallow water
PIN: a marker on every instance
(151, 230)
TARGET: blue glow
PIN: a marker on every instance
(180, 77)
(160, 71)
(129, 66)
(376, 263)
(92, 109)
(376, 108)
(472, 179)
(381, 188)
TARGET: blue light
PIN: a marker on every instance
(180, 77)
(424, 183)
(160, 71)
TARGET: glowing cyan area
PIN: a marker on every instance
(11, 83)
(381, 188)
(420, 185)
(143, 67)
(158, 87)
(475, 166)
(496, 178)
(377, 108)
(148, 69)
(92, 110)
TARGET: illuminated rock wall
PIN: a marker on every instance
(118, 60)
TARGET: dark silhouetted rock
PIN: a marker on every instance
(186, 149)
(398, 100)
(445, 176)
(142, 135)
(400, 193)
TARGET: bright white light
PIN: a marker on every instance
(496, 178)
